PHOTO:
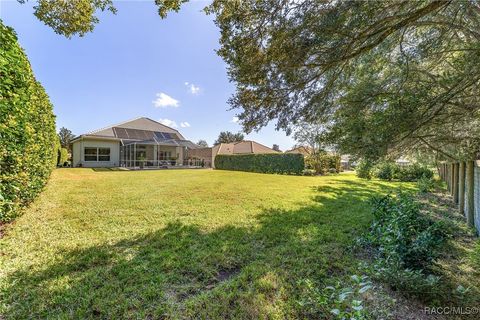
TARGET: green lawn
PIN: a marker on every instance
(180, 244)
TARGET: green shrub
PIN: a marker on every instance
(323, 163)
(413, 172)
(385, 170)
(425, 185)
(29, 143)
(402, 235)
(405, 243)
(364, 169)
(62, 156)
(285, 163)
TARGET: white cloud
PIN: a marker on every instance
(168, 122)
(164, 100)
(235, 119)
(192, 88)
(184, 124)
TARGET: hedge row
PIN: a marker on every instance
(28, 141)
(284, 163)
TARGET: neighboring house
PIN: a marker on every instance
(141, 142)
(306, 151)
(207, 155)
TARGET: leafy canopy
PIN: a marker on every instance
(202, 143)
(381, 76)
(66, 136)
(229, 137)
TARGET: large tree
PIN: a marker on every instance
(229, 137)
(202, 143)
(382, 76)
(66, 136)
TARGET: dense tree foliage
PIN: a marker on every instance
(229, 137)
(66, 136)
(382, 76)
(202, 143)
(78, 17)
(28, 141)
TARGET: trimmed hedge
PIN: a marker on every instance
(28, 141)
(285, 163)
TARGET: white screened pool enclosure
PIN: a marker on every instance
(156, 153)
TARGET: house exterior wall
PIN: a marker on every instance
(80, 145)
(204, 154)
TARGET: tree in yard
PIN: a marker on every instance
(382, 77)
(202, 143)
(65, 136)
(310, 135)
(228, 137)
(276, 147)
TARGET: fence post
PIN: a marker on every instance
(461, 188)
(455, 182)
(452, 177)
(469, 193)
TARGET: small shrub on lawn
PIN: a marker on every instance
(344, 300)
(405, 243)
(364, 169)
(425, 184)
(385, 170)
(62, 157)
(402, 234)
(413, 172)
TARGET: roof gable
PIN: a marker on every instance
(141, 123)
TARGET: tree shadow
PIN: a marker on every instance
(177, 271)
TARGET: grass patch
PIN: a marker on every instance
(181, 244)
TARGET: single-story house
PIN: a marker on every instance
(141, 142)
(207, 155)
(306, 151)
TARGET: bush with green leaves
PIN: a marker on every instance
(343, 300)
(28, 141)
(405, 242)
(402, 235)
(385, 170)
(364, 169)
(413, 172)
(425, 184)
(323, 163)
(283, 163)
(62, 156)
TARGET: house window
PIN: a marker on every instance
(103, 154)
(97, 154)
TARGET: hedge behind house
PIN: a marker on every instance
(285, 163)
(28, 141)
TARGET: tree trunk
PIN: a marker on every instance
(461, 188)
(469, 193)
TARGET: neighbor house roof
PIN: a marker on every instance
(301, 149)
(242, 147)
(138, 129)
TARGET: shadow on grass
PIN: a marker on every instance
(182, 271)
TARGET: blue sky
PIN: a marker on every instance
(135, 64)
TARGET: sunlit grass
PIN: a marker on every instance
(180, 243)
